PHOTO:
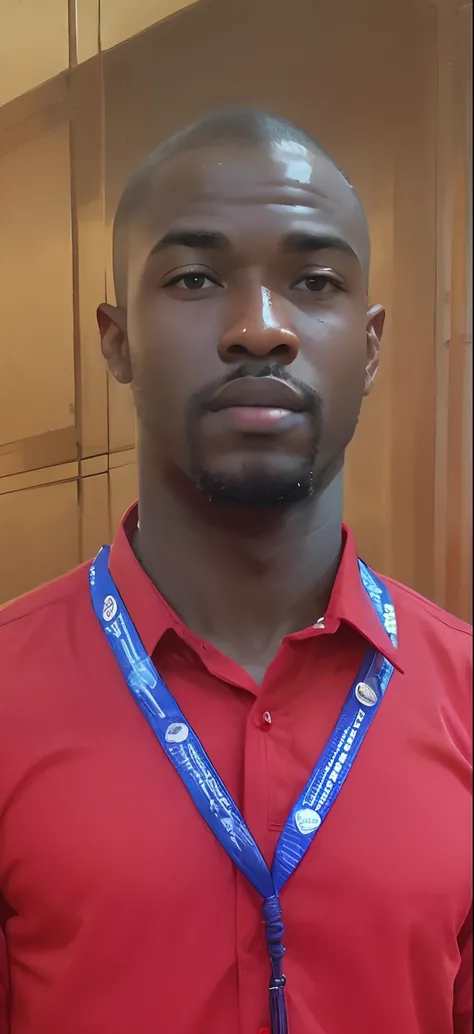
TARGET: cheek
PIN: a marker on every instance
(158, 384)
(171, 352)
(341, 360)
(174, 343)
(158, 358)
(335, 350)
(343, 401)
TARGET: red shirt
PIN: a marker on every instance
(123, 914)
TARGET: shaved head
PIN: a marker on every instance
(248, 127)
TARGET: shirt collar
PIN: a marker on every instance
(350, 603)
(152, 615)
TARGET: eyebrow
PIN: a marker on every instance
(300, 242)
(313, 242)
(198, 240)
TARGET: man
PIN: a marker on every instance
(132, 887)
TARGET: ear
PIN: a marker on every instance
(375, 324)
(113, 333)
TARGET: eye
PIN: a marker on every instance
(192, 282)
(317, 283)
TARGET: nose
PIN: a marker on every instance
(260, 332)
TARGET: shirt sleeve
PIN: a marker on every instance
(4, 1024)
(463, 984)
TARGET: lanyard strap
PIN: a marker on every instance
(203, 782)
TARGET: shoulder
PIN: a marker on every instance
(435, 653)
(427, 616)
(47, 668)
(32, 620)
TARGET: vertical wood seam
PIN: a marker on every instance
(72, 32)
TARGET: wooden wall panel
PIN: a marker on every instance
(37, 390)
(87, 194)
(453, 324)
(39, 40)
(39, 477)
(367, 497)
(34, 44)
(85, 31)
(410, 525)
(123, 489)
(119, 19)
(43, 450)
(95, 514)
(39, 536)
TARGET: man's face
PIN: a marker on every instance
(247, 329)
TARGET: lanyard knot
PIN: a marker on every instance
(274, 932)
(274, 928)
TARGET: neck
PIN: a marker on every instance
(240, 579)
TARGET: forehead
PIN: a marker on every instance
(240, 189)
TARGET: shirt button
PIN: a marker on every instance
(264, 1030)
(266, 721)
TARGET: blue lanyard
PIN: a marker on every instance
(205, 786)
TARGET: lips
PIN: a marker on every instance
(258, 392)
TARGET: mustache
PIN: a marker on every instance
(200, 402)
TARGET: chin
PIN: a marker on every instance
(257, 490)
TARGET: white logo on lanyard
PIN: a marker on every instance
(389, 619)
(109, 609)
(307, 820)
(176, 733)
(366, 695)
